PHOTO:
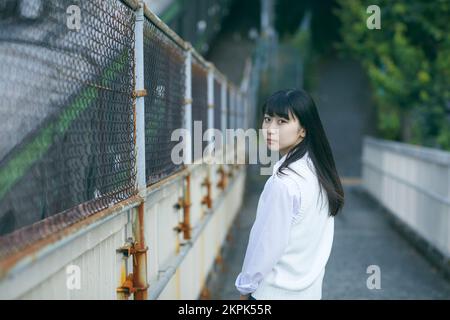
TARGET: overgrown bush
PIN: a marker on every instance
(408, 63)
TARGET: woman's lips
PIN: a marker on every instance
(270, 141)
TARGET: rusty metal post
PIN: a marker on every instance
(185, 204)
(187, 209)
(207, 199)
(134, 283)
(222, 184)
(140, 258)
(140, 251)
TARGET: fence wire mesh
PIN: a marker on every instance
(217, 104)
(199, 102)
(164, 77)
(66, 139)
(230, 109)
(67, 143)
(239, 112)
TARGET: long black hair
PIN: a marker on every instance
(300, 103)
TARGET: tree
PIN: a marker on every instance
(408, 64)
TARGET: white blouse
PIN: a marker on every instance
(278, 207)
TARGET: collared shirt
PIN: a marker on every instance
(277, 208)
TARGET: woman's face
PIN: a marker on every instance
(281, 134)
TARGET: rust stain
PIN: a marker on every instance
(140, 259)
(207, 198)
(187, 209)
(223, 178)
(177, 175)
(7, 263)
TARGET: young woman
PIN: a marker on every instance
(291, 239)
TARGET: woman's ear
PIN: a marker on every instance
(302, 132)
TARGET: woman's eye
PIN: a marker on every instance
(266, 119)
(281, 121)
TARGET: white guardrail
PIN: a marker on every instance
(413, 183)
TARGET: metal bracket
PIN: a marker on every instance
(181, 227)
(140, 93)
(207, 198)
(182, 203)
(128, 287)
(130, 248)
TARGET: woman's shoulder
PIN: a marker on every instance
(287, 181)
(284, 179)
(301, 170)
(284, 185)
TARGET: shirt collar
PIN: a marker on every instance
(279, 162)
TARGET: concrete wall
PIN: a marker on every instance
(413, 183)
(176, 268)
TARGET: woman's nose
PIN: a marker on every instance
(272, 130)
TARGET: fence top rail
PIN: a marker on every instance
(153, 18)
(185, 45)
(204, 66)
(427, 154)
(133, 4)
(219, 76)
(200, 58)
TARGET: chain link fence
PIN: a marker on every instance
(66, 139)
(68, 142)
(199, 102)
(217, 104)
(164, 81)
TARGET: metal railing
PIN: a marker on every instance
(87, 114)
(413, 183)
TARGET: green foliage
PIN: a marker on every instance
(408, 63)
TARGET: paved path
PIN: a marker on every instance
(363, 237)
